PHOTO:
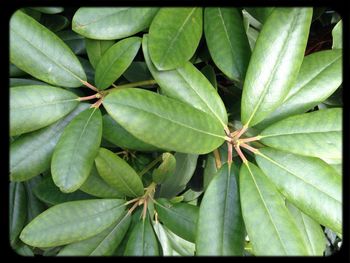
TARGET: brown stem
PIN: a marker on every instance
(134, 84)
(238, 150)
(132, 208)
(251, 139)
(229, 153)
(97, 103)
(87, 84)
(241, 131)
(217, 158)
(248, 147)
(87, 97)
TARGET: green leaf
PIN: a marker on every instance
(96, 186)
(189, 85)
(36, 106)
(227, 41)
(142, 240)
(307, 182)
(192, 130)
(23, 250)
(89, 70)
(16, 72)
(220, 227)
(18, 211)
(319, 76)
(112, 23)
(34, 205)
(311, 231)
(49, 193)
(54, 23)
(31, 153)
(102, 244)
(96, 48)
(42, 54)
(73, 40)
(181, 246)
(116, 134)
(137, 71)
(118, 173)
(337, 34)
(265, 215)
(163, 240)
(76, 150)
(185, 167)
(180, 218)
(166, 169)
(49, 10)
(275, 62)
(209, 72)
(317, 134)
(260, 13)
(174, 36)
(15, 82)
(115, 61)
(71, 222)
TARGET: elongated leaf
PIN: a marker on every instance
(275, 62)
(180, 245)
(76, 150)
(260, 13)
(15, 82)
(49, 193)
(316, 134)
(209, 72)
(115, 61)
(71, 222)
(16, 72)
(185, 167)
(42, 54)
(337, 34)
(102, 244)
(189, 85)
(137, 71)
(116, 134)
(36, 106)
(319, 76)
(96, 48)
(34, 205)
(96, 186)
(191, 130)
(162, 236)
(112, 23)
(166, 169)
(309, 183)
(24, 250)
(118, 173)
(142, 240)
(180, 218)
(311, 231)
(265, 215)
(73, 40)
(18, 211)
(174, 36)
(220, 228)
(227, 41)
(31, 153)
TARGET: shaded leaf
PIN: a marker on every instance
(49, 10)
(275, 62)
(260, 13)
(15, 82)
(174, 36)
(73, 40)
(337, 34)
(165, 169)
(96, 48)
(137, 71)
(209, 72)
(42, 54)
(76, 150)
(18, 211)
(54, 23)
(192, 130)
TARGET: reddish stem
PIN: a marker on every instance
(87, 84)
(248, 147)
(238, 150)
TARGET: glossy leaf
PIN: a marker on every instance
(71, 222)
(337, 34)
(102, 244)
(96, 186)
(17, 211)
(319, 76)
(174, 36)
(15, 82)
(118, 173)
(31, 153)
(316, 134)
(36, 106)
(96, 48)
(166, 169)
(260, 13)
(76, 150)
(220, 227)
(137, 71)
(162, 236)
(108, 23)
(142, 240)
(16, 72)
(296, 175)
(209, 72)
(187, 84)
(265, 215)
(180, 218)
(42, 54)
(185, 167)
(49, 193)
(227, 41)
(116, 134)
(275, 62)
(73, 40)
(311, 231)
(192, 130)
(115, 61)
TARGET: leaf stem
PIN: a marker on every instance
(217, 158)
(134, 84)
(150, 165)
(241, 131)
(250, 148)
(238, 150)
(251, 139)
(87, 84)
(95, 96)
(97, 104)
(229, 153)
